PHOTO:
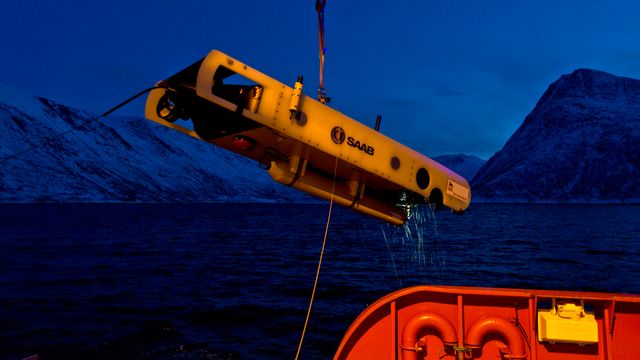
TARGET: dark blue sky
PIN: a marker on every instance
(447, 76)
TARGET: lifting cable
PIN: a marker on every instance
(322, 93)
(82, 124)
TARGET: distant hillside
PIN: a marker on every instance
(581, 143)
(465, 165)
(117, 159)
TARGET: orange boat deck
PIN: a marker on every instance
(441, 322)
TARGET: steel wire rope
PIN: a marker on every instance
(322, 94)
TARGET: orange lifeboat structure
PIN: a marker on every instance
(443, 322)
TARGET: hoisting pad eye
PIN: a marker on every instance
(169, 108)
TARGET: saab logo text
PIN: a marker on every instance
(360, 146)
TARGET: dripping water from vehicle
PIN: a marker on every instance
(414, 246)
(393, 262)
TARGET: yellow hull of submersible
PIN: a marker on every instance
(302, 142)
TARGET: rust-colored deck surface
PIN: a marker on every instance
(441, 322)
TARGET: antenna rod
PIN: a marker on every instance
(378, 119)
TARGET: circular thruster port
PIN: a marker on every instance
(422, 178)
(395, 163)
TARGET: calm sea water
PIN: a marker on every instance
(180, 281)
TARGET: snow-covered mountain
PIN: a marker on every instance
(117, 159)
(465, 165)
(580, 143)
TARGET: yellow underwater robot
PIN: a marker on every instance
(302, 142)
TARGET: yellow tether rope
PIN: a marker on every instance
(324, 242)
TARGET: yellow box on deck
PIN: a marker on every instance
(568, 324)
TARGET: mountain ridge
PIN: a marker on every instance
(120, 158)
(463, 164)
(580, 143)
